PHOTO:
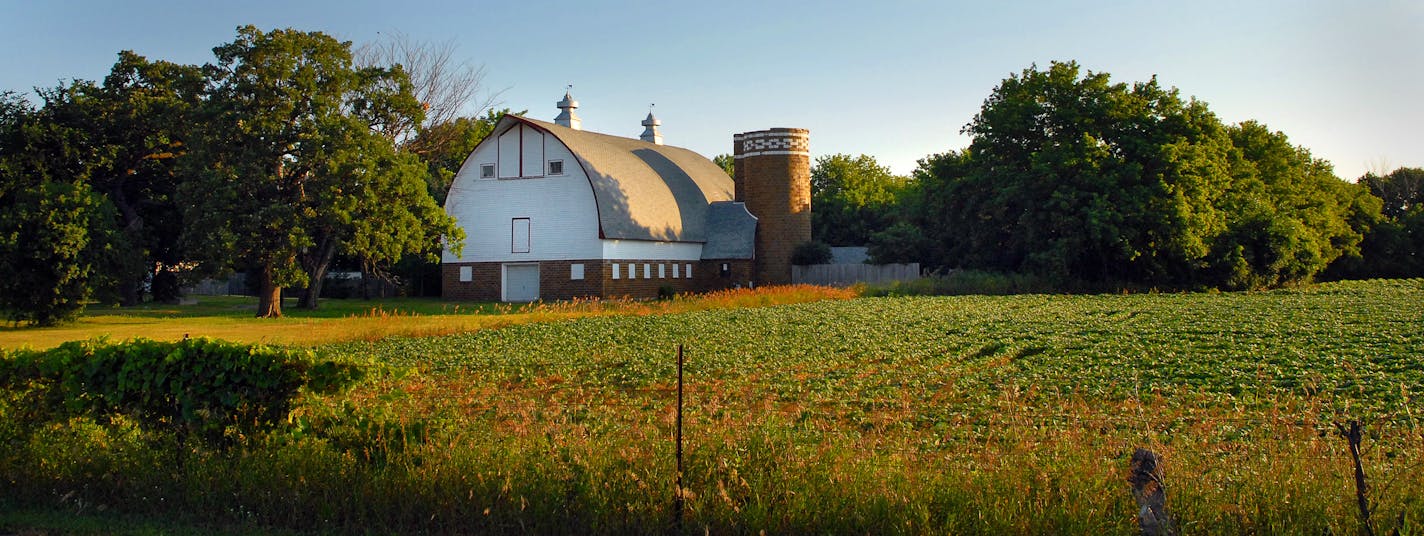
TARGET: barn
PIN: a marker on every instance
(551, 211)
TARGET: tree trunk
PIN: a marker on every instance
(269, 295)
(316, 267)
(129, 281)
(365, 285)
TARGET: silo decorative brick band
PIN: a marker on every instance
(773, 177)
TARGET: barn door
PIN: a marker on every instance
(521, 282)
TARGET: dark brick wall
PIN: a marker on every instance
(555, 282)
(641, 287)
(483, 286)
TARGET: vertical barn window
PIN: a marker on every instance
(466, 274)
(632, 271)
(675, 267)
(647, 271)
(615, 270)
(519, 235)
(688, 270)
(662, 270)
(575, 272)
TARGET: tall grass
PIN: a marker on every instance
(572, 472)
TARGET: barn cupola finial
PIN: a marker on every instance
(567, 117)
(650, 130)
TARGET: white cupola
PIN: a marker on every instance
(567, 117)
(650, 130)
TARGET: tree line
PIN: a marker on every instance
(287, 152)
(291, 152)
(1091, 183)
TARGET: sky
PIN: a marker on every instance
(896, 80)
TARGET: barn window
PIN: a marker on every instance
(675, 267)
(615, 270)
(519, 235)
(467, 274)
(575, 272)
(486, 171)
(647, 271)
(662, 270)
(688, 270)
(556, 167)
(632, 271)
(726, 270)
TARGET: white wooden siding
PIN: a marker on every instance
(508, 151)
(653, 251)
(533, 153)
(562, 212)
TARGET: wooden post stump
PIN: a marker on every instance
(1150, 492)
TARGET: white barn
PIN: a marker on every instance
(551, 211)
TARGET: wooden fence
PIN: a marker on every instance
(843, 275)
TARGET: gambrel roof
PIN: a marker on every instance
(644, 191)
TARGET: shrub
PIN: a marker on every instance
(813, 252)
(202, 388)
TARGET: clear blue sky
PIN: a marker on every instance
(895, 80)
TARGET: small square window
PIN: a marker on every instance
(486, 171)
(632, 271)
(556, 167)
(647, 271)
(575, 272)
(662, 271)
(615, 270)
(467, 274)
(675, 270)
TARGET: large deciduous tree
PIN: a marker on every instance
(851, 198)
(1394, 246)
(292, 168)
(139, 118)
(1073, 176)
(447, 88)
(52, 224)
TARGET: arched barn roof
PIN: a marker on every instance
(644, 191)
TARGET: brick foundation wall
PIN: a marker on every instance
(484, 284)
(710, 276)
(555, 282)
(642, 288)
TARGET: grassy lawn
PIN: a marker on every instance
(231, 317)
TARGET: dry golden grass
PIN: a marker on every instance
(375, 321)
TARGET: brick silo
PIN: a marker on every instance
(773, 178)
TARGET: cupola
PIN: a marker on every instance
(567, 117)
(650, 129)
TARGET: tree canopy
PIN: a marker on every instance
(52, 230)
(851, 198)
(293, 167)
(273, 159)
(1076, 177)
